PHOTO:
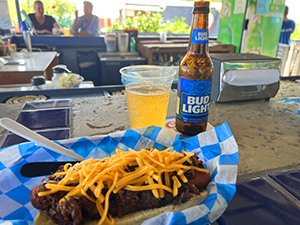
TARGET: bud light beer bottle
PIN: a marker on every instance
(195, 76)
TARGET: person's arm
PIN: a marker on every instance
(84, 33)
(58, 28)
(96, 27)
(293, 26)
(75, 24)
(45, 31)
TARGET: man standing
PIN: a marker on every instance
(42, 23)
(288, 27)
(88, 23)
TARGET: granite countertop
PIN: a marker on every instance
(267, 133)
(9, 111)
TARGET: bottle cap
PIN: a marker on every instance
(201, 6)
(123, 35)
(38, 80)
(60, 69)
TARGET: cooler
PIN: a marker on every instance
(111, 63)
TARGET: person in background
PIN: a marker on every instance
(88, 23)
(288, 27)
(42, 23)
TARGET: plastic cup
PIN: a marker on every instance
(123, 42)
(147, 90)
(67, 31)
(163, 36)
(111, 42)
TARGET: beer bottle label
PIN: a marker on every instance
(193, 98)
(200, 36)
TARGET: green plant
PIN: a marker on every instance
(62, 11)
(177, 26)
(12, 9)
(152, 23)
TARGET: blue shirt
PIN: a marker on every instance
(93, 27)
(288, 27)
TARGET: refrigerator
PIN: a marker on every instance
(253, 26)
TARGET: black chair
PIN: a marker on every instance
(4, 32)
(35, 47)
(89, 66)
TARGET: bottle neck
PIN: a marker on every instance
(199, 33)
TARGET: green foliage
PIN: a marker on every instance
(177, 26)
(13, 12)
(62, 11)
(296, 34)
(152, 23)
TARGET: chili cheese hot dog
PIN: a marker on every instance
(126, 188)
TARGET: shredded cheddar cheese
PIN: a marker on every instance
(154, 170)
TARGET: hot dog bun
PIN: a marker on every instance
(136, 218)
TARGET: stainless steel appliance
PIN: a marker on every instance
(282, 53)
(112, 62)
(292, 63)
(244, 77)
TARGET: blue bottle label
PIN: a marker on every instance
(193, 98)
(200, 36)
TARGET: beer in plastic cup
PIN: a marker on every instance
(67, 31)
(147, 90)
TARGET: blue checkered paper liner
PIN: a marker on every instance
(217, 148)
(295, 100)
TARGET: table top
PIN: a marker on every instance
(266, 132)
(34, 61)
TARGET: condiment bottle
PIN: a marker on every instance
(132, 45)
(58, 72)
(38, 83)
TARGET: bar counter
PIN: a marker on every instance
(71, 47)
(67, 47)
(60, 40)
(266, 132)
